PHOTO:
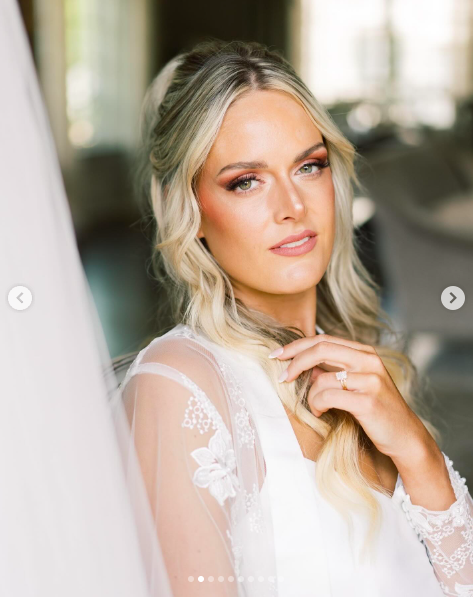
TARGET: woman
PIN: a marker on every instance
(278, 439)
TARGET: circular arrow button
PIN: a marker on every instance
(20, 298)
(453, 298)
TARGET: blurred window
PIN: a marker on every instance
(413, 57)
(106, 70)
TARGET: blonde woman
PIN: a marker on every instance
(281, 446)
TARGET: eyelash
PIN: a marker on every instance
(232, 185)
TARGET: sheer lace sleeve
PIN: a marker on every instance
(202, 469)
(447, 536)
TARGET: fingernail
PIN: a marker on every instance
(283, 376)
(276, 353)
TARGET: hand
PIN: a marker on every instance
(372, 396)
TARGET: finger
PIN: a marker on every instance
(334, 354)
(356, 382)
(290, 350)
(316, 371)
(352, 402)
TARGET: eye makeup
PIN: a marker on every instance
(233, 184)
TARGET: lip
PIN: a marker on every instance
(293, 238)
(294, 251)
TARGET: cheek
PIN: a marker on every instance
(215, 216)
(322, 205)
(329, 203)
(227, 226)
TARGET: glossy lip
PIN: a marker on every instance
(293, 238)
(294, 251)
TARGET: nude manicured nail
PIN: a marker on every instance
(283, 376)
(276, 353)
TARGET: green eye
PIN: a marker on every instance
(241, 185)
(308, 166)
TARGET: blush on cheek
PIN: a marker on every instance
(216, 218)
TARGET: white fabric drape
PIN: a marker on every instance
(69, 524)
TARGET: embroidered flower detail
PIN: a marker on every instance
(464, 590)
(253, 509)
(447, 535)
(217, 463)
(245, 432)
(237, 551)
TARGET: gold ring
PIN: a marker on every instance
(342, 376)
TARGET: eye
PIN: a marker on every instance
(242, 184)
(245, 185)
(308, 166)
(319, 164)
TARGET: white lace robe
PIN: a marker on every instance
(203, 467)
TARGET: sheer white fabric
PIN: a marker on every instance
(68, 525)
(203, 469)
(224, 470)
(447, 535)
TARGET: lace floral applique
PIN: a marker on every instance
(254, 510)
(245, 432)
(197, 415)
(217, 470)
(464, 590)
(244, 429)
(200, 411)
(433, 527)
(237, 553)
(460, 590)
(217, 463)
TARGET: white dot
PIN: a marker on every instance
(220, 579)
(240, 579)
(211, 578)
(251, 579)
(261, 578)
(200, 579)
(191, 579)
(230, 579)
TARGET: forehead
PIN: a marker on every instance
(263, 122)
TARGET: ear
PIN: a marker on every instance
(200, 233)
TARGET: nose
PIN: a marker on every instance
(289, 203)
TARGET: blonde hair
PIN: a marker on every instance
(182, 113)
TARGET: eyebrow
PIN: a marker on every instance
(254, 165)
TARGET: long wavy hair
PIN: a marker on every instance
(182, 112)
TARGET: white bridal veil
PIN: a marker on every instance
(69, 525)
(75, 518)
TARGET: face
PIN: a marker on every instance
(247, 208)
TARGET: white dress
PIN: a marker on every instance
(419, 553)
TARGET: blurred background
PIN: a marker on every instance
(396, 76)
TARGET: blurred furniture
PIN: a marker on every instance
(120, 366)
(424, 212)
